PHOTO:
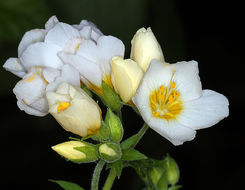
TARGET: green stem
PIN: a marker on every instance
(140, 134)
(96, 175)
(110, 179)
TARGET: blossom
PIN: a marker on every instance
(171, 101)
(92, 60)
(126, 76)
(74, 110)
(145, 47)
(39, 47)
(31, 90)
(40, 67)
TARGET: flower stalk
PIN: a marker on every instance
(110, 179)
(96, 175)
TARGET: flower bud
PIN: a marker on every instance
(126, 76)
(75, 111)
(110, 152)
(115, 126)
(172, 170)
(158, 177)
(77, 151)
(145, 48)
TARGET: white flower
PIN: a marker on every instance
(171, 101)
(31, 90)
(145, 47)
(74, 110)
(39, 47)
(92, 60)
(88, 30)
(126, 76)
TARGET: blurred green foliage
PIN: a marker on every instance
(18, 16)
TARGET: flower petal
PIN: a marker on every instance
(29, 110)
(175, 132)
(50, 74)
(86, 68)
(68, 74)
(41, 54)
(14, 66)
(205, 111)
(107, 47)
(30, 37)
(60, 34)
(52, 21)
(187, 80)
(30, 88)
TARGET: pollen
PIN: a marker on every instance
(62, 106)
(165, 102)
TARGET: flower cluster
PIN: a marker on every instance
(52, 62)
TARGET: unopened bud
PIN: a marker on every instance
(115, 126)
(110, 152)
(77, 151)
(172, 170)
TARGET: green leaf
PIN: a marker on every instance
(111, 98)
(115, 126)
(118, 166)
(67, 185)
(130, 142)
(132, 154)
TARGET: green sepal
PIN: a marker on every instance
(91, 152)
(118, 166)
(132, 155)
(172, 170)
(110, 152)
(111, 98)
(129, 142)
(66, 185)
(103, 134)
(115, 126)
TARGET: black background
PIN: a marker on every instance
(210, 33)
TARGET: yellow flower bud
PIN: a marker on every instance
(74, 110)
(67, 150)
(126, 76)
(77, 151)
(145, 48)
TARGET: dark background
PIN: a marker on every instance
(187, 30)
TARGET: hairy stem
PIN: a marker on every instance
(96, 175)
(110, 179)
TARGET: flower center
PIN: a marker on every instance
(62, 106)
(165, 102)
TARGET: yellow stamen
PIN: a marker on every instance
(161, 88)
(165, 103)
(62, 106)
(31, 78)
(173, 85)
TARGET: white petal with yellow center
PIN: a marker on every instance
(74, 110)
(172, 103)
